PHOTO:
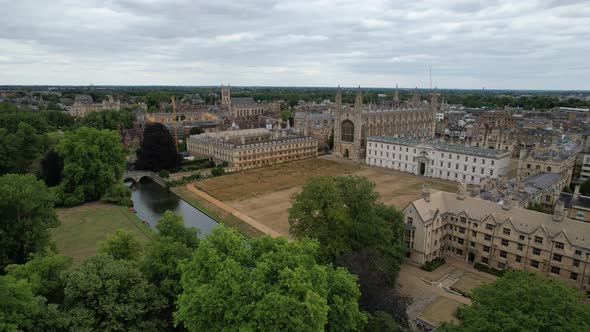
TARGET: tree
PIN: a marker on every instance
(157, 150)
(232, 283)
(109, 119)
(20, 310)
(51, 168)
(172, 225)
(343, 214)
(44, 272)
(26, 210)
(217, 171)
(524, 301)
(196, 130)
(118, 194)
(93, 160)
(108, 294)
(121, 245)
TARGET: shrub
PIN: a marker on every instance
(164, 174)
(217, 171)
(433, 264)
(118, 194)
(484, 268)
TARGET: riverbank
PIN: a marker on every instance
(84, 226)
(215, 212)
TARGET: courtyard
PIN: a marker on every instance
(265, 193)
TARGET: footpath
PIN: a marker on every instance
(242, 216)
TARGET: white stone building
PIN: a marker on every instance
(435, 159)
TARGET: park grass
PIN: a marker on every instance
(216, 213)
(84, 226)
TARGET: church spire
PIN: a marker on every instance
(396, 96)
(358, 101)
(338, 100)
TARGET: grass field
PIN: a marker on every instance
(265, 193)
(84, 226)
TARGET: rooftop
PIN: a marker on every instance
(523, 220)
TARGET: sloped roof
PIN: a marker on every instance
(524, 221)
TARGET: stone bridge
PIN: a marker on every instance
(138, 175)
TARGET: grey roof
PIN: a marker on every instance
(84, 99)
(540, 181)
(242, 101)
(574, 200)
(454, 148)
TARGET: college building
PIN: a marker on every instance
(250, 148)
(501, 236)
(453, 162)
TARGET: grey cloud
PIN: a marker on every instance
(500, 43)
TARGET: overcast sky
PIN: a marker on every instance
(522, 44)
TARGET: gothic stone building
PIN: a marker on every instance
(354, 124)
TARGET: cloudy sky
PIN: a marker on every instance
(522, 44)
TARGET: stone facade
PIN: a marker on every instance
(435, 159)
(251, 148)
(500, 236)
(553, 159)
(354, 124)
(83, 104)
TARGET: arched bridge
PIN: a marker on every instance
(138, 175)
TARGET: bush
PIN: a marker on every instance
(118, 194)
(484, 268)
(217, 171)
(164, 174)
(433, 264)
(184, 180)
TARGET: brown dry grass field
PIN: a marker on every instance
(265, 193)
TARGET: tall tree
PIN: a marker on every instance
(26, 210)
(20, 310)
(232, 283)
(524, 301)
(109, 119)
(93, 161)
(121, 245)
(172, 225)
(106, 294)
(45, 273)
(157, 151)
(343, 214)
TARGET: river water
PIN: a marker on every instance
(151, 201)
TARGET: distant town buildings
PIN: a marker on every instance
(250, 148)
(354, 124)
(501, 236)
(435, 159)
(83, 104)
(317, 125)
(246, 112)
(553, 159)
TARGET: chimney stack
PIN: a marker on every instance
(462, 190)
(558, 211)
(507, 202)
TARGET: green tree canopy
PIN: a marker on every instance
(109, 119)
(118, 194)
(20, 310)
(121, 245)
(157, 150)
(524, 301)
(232, 283)
(26, 214)
(343, 214)
(196, 130)
(108, 294)
(93, 161)
(172, 225)
(44, 272)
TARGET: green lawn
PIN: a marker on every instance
(84, 226)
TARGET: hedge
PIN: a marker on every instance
(484, 268)
(433, 264)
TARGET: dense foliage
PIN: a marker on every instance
(93, 161)
(121, 245)
(268, 284)
(357, 232)
(157, 151)
(26, 214)
(524, 301)
(118, 194)
(109, 119)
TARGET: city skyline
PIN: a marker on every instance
(531, 45)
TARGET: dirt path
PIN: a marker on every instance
(245, 218)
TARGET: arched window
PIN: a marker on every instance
(347, 131)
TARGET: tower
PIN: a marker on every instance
(225, 96)
(396, 95)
